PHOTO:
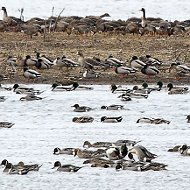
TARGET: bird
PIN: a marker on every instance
(6, 124)
(184, 150)
(150, 89)
(58, 88)
(152, 120)
(183, 69)
(124, 70)
(152, 61)
(58, 151)
(30, 97)
(136, 63)
(89, 74)
(43, 62)
(83, 119)
(88, 153)
(114, 62)
(87, 144)
(188, 118)
(66, 167)
(119, 89)
(81, 108)
(177, 90)
(11, 61)
(143, 18)
(30, 74)
(149, 70)
(2, 98)
(174, 149)
(29, 61)
(106, 119)
(113, 107)
(142, 153)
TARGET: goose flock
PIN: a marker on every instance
(123, 154)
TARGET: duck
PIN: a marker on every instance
(150, 89)
(123, 70)
(99, 162)
(155, 166)
(66, 167)
(112, 61)
(106, 119)
(188, 118)
(174, 149)
(152, 61)
(64, 62)
(119, 89)
(10, 169)
(184, 150)
(6, 124)
(113, 107)
(30, 97)
(11, 61)
(136, 63)
(183, 69)
(30, 74)
(87, 144)
(89, 74)
(43, 62)
(149, 70)
(152, 120)
(142, 153)
(125, 141)
(128, 165)
(125, 97)
(19, 89)
(115, 153)
(30, 61)
(81, 108)
(177, 90)
(87, 153)
(140, 91)
(2, 88)
(2, 98)
(58, 151)
(83, 119)
(58, 88)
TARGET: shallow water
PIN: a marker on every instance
(40, 126)
(118, 9)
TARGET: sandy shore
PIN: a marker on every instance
(165, 48)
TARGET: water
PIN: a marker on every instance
(40, 126)
(118, 9)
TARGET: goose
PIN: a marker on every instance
(188, 118)
(30, 74)
(149, 70)
(87, 144)
(106, 119)
(87, 63)
(6, 124)
(30, 97)
(113, 107)
(124, 70)
(185, 150)
(177, 90)
(143, 18)
(81, 108)
(66, 167)
(83, 119)
(152, 120)
(58, 151)
(142, 153)
(136, 63)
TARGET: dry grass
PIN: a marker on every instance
(167, 49)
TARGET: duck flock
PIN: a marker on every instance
(123, 154)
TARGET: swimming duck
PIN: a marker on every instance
(6, 124)
(66, 167)
(185, 150)
(2, 98)
(142, 153)
(106, 119)
(188, 118)
(149, 70)
(58, 88)
(125, 97)
(136, 63)
(177, 90)
(19, 89)
(174, 149)
(83, 119)
(10, 169)
(81, 108)
(141, 91)
(152, 120)
(30, 97)
(30, 74)
(87, 144)
(150, 89)
(58, 151)
(115, 89)
(113, 107)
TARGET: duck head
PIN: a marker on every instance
(160, 84)
(183, 148)
(145, 85)
(56, 150)
(87, 144)
(57, 164)
(4, 162)
(170, 86)
(76, 106)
